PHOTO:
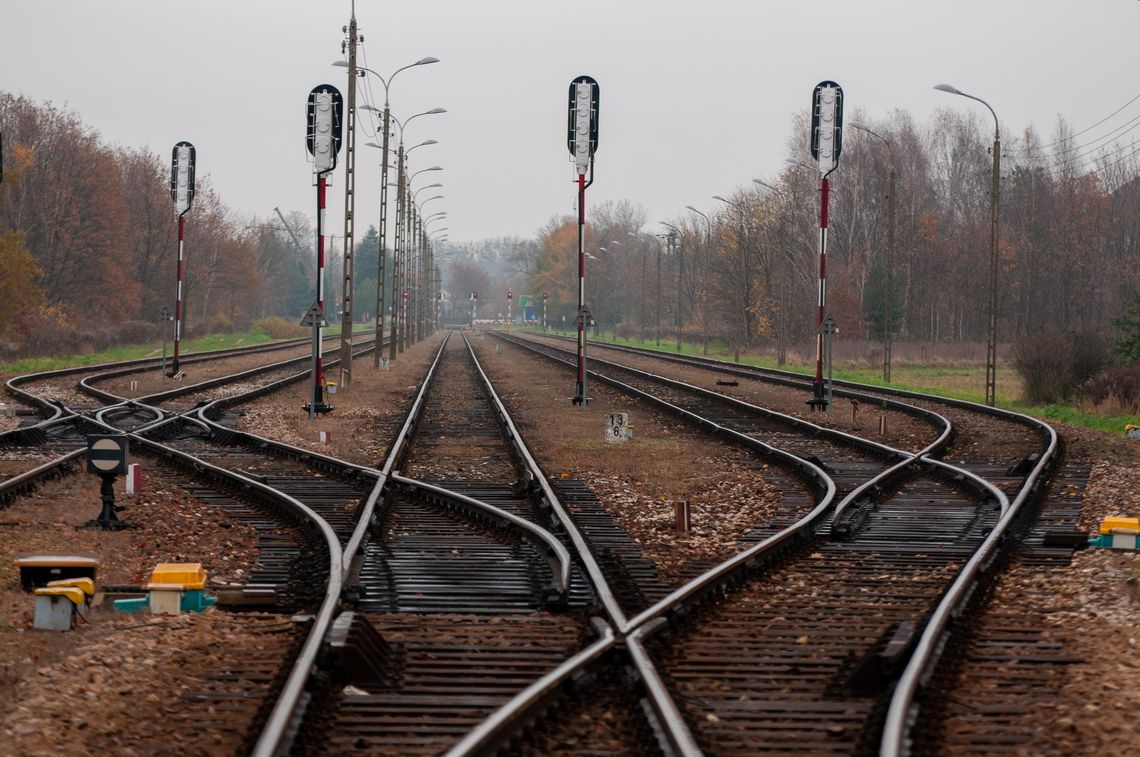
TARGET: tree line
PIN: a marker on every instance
(88, 244)
(745, 272)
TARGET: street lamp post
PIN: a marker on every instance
(782, 321)
(413, 325)
(678, 250)
(413, 256)
(705, 279)
(399, 250)
(381, 273)
(746, 286)
(889, 292)
(426, 268)
(349, 255)
(995, 198)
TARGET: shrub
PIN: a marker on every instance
(279, 328)
(1053, 365)
(1128, 348)
(1118, 387)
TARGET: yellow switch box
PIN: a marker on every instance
(189, 575)
(1118, 525)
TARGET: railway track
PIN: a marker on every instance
(452, 616)
(288, 496)
(775, 640)
(463, 585)
(1009, 664)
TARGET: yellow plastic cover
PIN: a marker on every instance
(74, 593)
(188, 574)
(1117, 524)
(86, 585)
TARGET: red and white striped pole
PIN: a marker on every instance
(826, 146)
(817, 384)
(318, 344)
(323, 138)
(182, 163)
(582, 397)
(178, 296)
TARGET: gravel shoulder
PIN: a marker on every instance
(105, 685)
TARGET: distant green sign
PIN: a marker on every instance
(524, 300)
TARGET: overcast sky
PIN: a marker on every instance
(696, 97)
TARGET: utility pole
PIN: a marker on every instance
(991, 331)
(381, 273)
(349, 205)
(397, 251)
(888, 326)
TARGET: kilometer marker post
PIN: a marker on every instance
(182, 163)
(582, 140)
(323, 137)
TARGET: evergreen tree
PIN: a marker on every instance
(1128, 348)
(874, 301)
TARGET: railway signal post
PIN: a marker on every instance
(510, 299)
(582, 140)
(322, 138)
(107, 458)
(545, 298)
(826, 144)
(182, 192)
(474, 307)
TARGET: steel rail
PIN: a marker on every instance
(822, 483)
(354, 547)
(497, 728)
(37, 473)
(128, 405)
(917, 671)
(673, 727)
(792, 378)
(777, 376)
(935, 419)
(665, 709)
(284, 709)
(540, 536)
(896, 730)
(87, 387)
(148, 362)
(593, 570)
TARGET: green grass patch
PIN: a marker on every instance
(136, 352)
(1113, 424)
(960, 382)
